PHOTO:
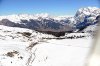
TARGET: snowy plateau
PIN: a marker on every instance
(44, 40)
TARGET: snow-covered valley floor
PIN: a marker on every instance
(17, 49)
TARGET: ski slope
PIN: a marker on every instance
(36, 51)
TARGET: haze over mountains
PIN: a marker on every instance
(83, 21)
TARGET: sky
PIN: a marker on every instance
(53, 7)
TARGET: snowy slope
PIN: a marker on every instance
(20, 49)
(15, 45)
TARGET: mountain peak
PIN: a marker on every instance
(94, 11)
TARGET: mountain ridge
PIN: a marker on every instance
(83, 18)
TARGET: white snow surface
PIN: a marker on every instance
(46, 52)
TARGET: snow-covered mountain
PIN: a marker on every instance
(86, 17)
(37, 22)
(22, 45)
(83, 18)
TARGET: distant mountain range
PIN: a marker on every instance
(85, 20)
